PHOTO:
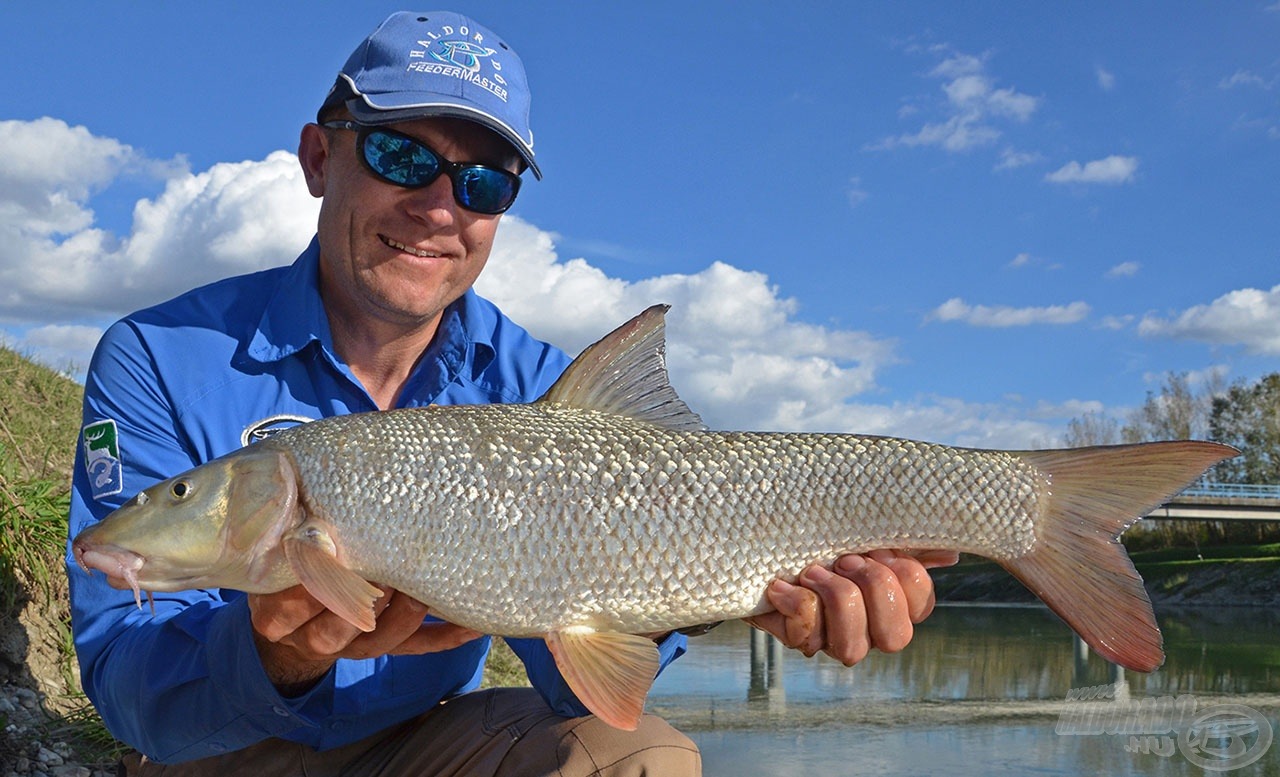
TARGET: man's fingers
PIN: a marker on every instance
(434, 638)
(277, 615)
(294, 618)
(797, 622)
(932, 559)
(397, 621)
(843, 612)
(913, 575)
(888, 623)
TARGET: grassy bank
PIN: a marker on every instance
(39, 426)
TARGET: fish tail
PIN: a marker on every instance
(1078, 566)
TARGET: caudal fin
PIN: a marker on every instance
(1079, 568)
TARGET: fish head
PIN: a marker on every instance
(218, 525)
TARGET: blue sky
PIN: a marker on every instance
(959, 222)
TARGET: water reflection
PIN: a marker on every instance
(980, 687)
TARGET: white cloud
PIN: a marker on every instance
(972, 102)
(1117, 323)
(1009, 424)
(1025, 259)
(1245, 78)
(1124, 270)
(1011, 158)
(1246, 317)
(857, 195)
(1106, 79)
(1111, 170)
(65, 347)
(738, 351)
(233, 218)
(1002, 316)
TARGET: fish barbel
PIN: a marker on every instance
(606, 510)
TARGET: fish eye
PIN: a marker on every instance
(180, 490)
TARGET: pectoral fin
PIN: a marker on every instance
(610, 672)
(314, 557)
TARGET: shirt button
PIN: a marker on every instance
(281, 711)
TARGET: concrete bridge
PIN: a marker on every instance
(1223, 502)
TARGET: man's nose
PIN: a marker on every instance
(433, 203)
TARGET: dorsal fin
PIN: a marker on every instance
(626, 374)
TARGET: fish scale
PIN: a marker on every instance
(621, 501)
(606, 511)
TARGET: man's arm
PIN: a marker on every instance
(185, 682)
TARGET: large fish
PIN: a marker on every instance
(606, 509)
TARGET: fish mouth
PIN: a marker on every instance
(116, 563)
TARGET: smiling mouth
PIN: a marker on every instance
(409, 249)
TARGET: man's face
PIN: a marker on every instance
(393, 254)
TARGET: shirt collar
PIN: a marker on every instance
(294, 318)
(461, 349)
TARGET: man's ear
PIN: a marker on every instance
(313, 153)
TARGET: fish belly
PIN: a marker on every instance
(523, 519)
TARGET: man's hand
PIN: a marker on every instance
(866, 601)
(298, 638)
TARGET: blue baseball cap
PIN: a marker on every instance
(437, 63)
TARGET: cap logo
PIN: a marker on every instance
(462, 53)
(457, 53)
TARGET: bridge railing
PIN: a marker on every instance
(1232, 491)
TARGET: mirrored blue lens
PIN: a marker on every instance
(400, 160)
(404, 161)
(484, 190)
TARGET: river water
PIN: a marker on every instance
(987, 690)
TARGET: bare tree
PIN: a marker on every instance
(1092, 428)
(1179, 411)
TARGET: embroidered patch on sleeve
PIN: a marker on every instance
(102, 458)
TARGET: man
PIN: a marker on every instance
(415, 153)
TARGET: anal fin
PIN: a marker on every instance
(313, 555)
(610, 672)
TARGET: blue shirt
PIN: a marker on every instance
(176, 385)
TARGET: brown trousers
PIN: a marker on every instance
(505, 732)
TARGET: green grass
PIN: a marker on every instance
(503, 669)
(1208, 553)
(39, 425)
(33, 531)
(39, 415)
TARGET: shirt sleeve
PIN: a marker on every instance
(185, 681)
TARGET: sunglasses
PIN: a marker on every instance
(401, 160)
